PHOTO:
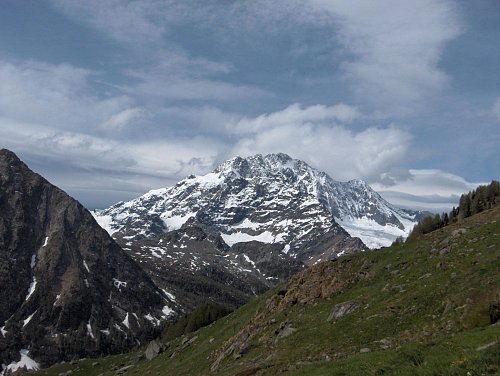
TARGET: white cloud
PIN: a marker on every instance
(393, 47)
(59, 95)
(176, 75)
(123, 118)
(317, 135)
(387, 51)
(190, 88)
(296, 114)
(171, 158)
(429, 189)
(124, 21)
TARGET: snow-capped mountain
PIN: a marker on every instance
(271, 199)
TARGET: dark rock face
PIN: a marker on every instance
(194, 266)
(67, 289)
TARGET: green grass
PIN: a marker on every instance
(422, 313)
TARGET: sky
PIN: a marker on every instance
(108, 98)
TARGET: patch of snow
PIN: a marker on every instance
(154, 192)
(169, 295)
(57, 299)
(32, 288)
(167, 311)
(126, 322)
(371, 233)
(286, 249)
(106, 222)
(105, 331)
(33, 261)
(27, 320)
(247, 223)
(3, 331)
(87, 283)
(86, 266)
(240, 237)
(152, 319)
(45, 241)
(209, 180)
(89, 330)
(175, 222)
(247, 259)
(153, 252)
(25, 363)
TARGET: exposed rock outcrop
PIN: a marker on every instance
(67, 289)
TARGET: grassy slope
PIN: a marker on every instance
(423, 312)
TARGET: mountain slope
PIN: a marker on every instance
(232, 234)
(271, 199)
(428, 307)
(195, 266)
(66, 288)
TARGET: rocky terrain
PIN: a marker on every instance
(427, 307)
(230, 235)
(210, 237)
(66, 288)
(271, 199)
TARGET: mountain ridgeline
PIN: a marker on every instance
(482, 198)
(271, 199)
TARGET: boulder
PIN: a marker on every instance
(342, 309)
(152, 350)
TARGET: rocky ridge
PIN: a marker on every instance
(271, 199)
(67, 289)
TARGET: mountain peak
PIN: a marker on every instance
(261, 197)
(7, 155)
(255, 165)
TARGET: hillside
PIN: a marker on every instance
(428, 307)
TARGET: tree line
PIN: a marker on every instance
(200, 317)
(482, 198)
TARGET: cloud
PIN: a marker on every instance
(176, 75)
(428, 189)
(392, 48)
(55, 94)
(174, 157)
(296, 114)
(123, 118)
(124, 21)
(154, 85)
(318, 135)
(388, 53)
